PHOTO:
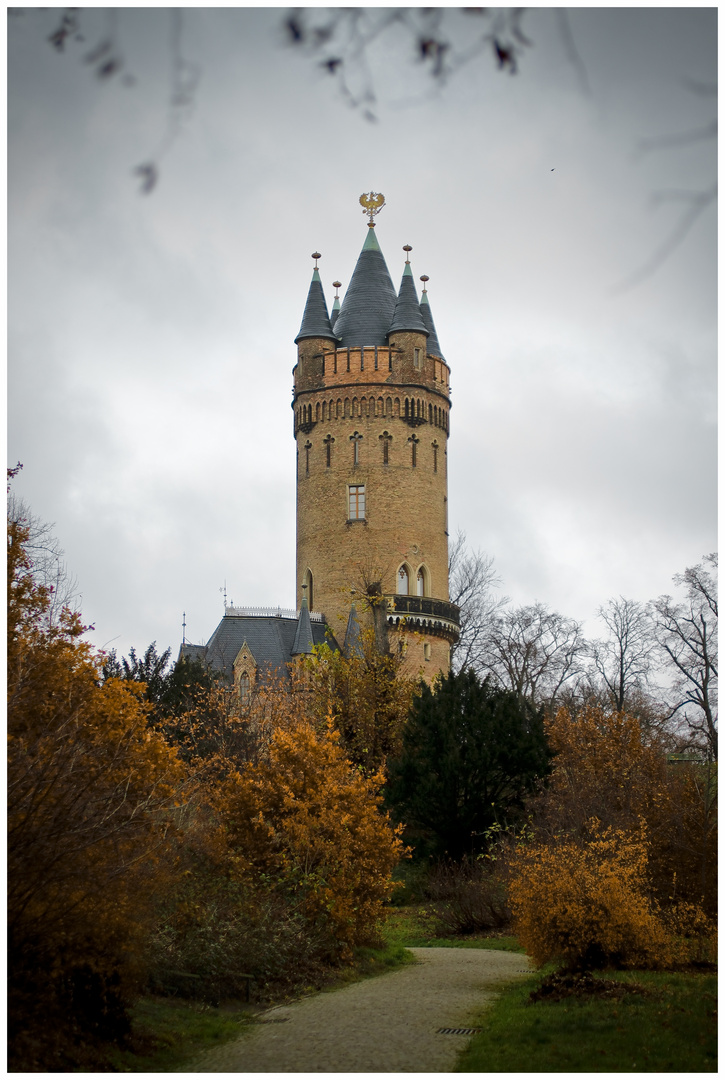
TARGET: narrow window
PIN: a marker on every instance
(308, 447)
(426, 650)
(386, 437)
(435, 456)
(328, 441)
(403, 580)
(420, 583)
(416, 358)
(414, 440)
(244, 688)
(356, 502)
(355, 440)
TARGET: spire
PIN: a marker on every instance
(407, 314)
(352, 645)
(336, 304)
(315, 321)
(433, 347)
(369, 303)
(304, 641)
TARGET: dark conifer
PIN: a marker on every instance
(471, 754)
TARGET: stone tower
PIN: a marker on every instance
(371, 419)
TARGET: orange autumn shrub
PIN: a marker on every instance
(584, 904)
(92, 792)
(304, 818)
(607, 767)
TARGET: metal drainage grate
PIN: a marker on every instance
(458, 1031)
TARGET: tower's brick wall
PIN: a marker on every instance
(376, 419)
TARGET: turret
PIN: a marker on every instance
(316, 335)
(371, 404)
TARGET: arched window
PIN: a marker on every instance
(420, 583)
(245, 691)
(403, 580)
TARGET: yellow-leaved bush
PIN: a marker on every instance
(310, 822)
(584, 903)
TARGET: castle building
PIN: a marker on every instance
(371, 404)
(371, 419)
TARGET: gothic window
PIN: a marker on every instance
(328, 441)
(355, 440)
(245, 692)
(386, 437)
(420, 583)
(416, 358)
(435, 456)
(308, 447)
(403, 580)
(356, 502)
(414, 440)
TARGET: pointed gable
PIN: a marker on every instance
(369, 304)
(304, 641)
(353, 644)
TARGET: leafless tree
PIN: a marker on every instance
(686, 634)
(624, 658)
(534, 652)
(472, 581)
(46, 557)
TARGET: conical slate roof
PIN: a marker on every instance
(304, 641)
(335, 311)
(315, 321)
(353, 644)
(432, 346)
(407, 314)
(369, 304)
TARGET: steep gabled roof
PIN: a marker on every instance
(304, 641)
(315, 321)
(369, 304)
(271, 640)
(353, 644)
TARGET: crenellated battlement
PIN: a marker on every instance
(370, 364)
(371, 404)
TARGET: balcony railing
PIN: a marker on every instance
(423, 612)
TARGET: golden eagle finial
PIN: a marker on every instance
(372, 204)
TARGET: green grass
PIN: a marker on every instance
(671, 1029)
(415, 926)
(167, 1032)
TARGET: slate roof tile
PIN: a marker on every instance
(367, 310)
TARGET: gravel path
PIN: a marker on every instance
(385, 1024)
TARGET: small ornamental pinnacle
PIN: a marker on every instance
(372, 204)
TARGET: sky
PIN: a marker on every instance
(151, 336)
